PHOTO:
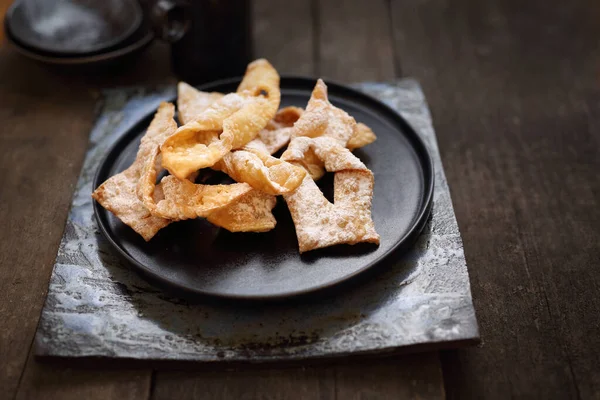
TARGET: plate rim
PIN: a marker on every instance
(407, 240)
(103, 47)
(146, 36)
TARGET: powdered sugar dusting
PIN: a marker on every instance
(119, 193)
(320, 223)
(322, 118)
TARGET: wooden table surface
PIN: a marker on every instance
(514, 89)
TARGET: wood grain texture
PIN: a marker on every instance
(51, 381)
(513, 89)
(403, 377)
(4, 4)
(283, 33)
(275, 384)
(46, 117)
(41, 150)
(417, 376)
(354, 41)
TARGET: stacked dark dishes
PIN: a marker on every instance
(82, 32)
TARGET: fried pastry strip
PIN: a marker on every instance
(229, 123)
(118, 193)
(318, 222)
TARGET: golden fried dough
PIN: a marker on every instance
(238, 133)
(179, 199)
(278, 131)
(362, 136)
(118, 194)
(240, 116)
(318, 222)
(321, 118)
(262, 171)
(191, 102)
(248, 213)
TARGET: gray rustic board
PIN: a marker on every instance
(98, 306)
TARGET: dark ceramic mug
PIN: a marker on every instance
(210, 39)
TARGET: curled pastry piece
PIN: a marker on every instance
(320, 154)
(253, 163)
(118, 193)
(179, 199)
(285, 117)
(237, 207)
(248, 213)
(228, 123)
(318, 222)
(301, 153)
(262, 171)
(278, 131)
(321, 118)
(191, 102)
(362, 136)
(252, 211)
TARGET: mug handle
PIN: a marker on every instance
(170, 19)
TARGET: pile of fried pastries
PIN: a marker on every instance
(238, 133)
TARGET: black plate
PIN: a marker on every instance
(140, 39)
(195, 257)
(80, 28)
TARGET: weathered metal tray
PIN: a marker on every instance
(98, 305)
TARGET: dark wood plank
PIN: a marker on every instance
(44, 135)
(51, 381)
(417, 376)
(283, 33)
(407, 377)
(4, 4)
(354, 41)
(509, 85)
(274, 383)
(355, 44)
(46, 117)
